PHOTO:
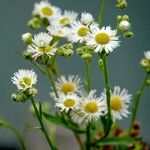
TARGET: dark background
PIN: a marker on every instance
(123, 62)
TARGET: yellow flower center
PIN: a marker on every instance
(83, 31)
(67, 87)
(47, 11)
(25, 81)
(102, 38)
(46, 49)
(64, 21)
(69, 102)
(91, 107)
(116, 103)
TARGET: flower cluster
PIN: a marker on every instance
(83, 30)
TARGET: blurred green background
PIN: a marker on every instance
(123, 62)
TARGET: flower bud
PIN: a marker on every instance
(35, 23)
(144, 63)
(32, 92)
(26, 55)
(86, 52)
(124, 25)
(119, 18)
(122, 4)
(65, 50)
(128, 34)
(14, 97)
(125, 17)
(27, 38)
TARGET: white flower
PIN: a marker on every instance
(119, 102)
(91, 107)
(45, 10)
(86, 18)
(147, 55)
(41, 45)
(24, 79)
(78, 33)
(67, 102)
(58, 31)
(124, 25)
(67, 18)
(69, 85)
(103, 38)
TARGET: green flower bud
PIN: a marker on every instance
(148, 82)
(100, 64)
(35, 23)
(26, 55)
(65, 50)
(125, 17)
(23, 96)
(14, 97)
(119, 18)
(27, 38)
(86, 52)
(145, 64)
(128, 34)
(122, 4)
(32, 92)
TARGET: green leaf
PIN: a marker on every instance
(117, 141)
(59, 121)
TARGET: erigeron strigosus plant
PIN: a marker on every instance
(91, 118)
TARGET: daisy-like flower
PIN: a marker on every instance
(58, 31)
(69, 85)
(45, 10)
(24, 79)
(67, 102)
(78, 33)
(104, 38)
(92, 107)
(147, 55)
(86, 18)
(67, 18)
(41, 45)
(119, 102)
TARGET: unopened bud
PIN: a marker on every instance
(26, 55)
(65, 50)
(125, 17)
(33, 92)
(27, 38)
(128, 34)
(144, 63)
(124, 26)
(35, 23)
(122, 4)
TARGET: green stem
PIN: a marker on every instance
(88, 80)
(50, 77)
(42, 125)
(107, 87)
(101, 12)
(38, 67)
(88, 137)
(136, 100)
(52, 81)
(15, 131)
